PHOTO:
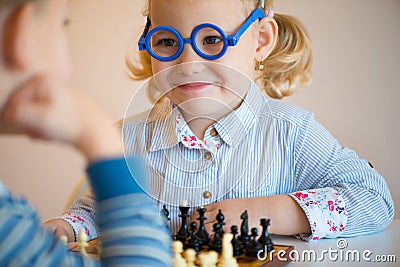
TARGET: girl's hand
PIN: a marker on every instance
(232, 209)
(46, 109)
(287, 218)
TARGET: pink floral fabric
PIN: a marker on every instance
(190, 140)
(77, 223)
(325, 210)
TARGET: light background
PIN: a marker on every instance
(354, 93)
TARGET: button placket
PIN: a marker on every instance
(208, 155)
(213, 132)
(206, 194)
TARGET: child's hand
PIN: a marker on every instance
(287, 218)
(232, 209)
(45, 109)
(60, 228)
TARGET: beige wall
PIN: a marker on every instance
(354, 92)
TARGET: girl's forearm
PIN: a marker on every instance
(287, 217)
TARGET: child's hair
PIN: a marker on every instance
(12, 4)
(287, 67)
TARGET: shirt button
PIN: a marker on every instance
(208, 156)
(213, 132)
(206, 194)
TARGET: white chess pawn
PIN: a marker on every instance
(208, 259)
(213, 258)
(190, 256)
(178, 260)
(82, 242)
(227, 259)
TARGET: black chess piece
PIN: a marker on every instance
(244, 237)
(201, 232)
(183, 232)
(164, 213)
(237, 247)
(254, 248)
(265, 238)
(216, 243)
(193, 241)
(220, 219)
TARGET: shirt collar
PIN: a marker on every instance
(232, 128)
(163, 127)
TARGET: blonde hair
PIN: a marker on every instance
(288, 66)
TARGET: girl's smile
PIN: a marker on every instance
(195, 86)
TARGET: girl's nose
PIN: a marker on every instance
(189, 62)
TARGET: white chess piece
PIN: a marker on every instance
(213, 258)
(203, 259)
(190, 256)
(82, 242)
(208, 259)
(178, 260)
(227, 259)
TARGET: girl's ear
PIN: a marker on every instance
(267, 35)
(15, 37)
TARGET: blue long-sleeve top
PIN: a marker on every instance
(132, 232)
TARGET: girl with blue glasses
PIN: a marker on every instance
(209, 41)
(239, 149)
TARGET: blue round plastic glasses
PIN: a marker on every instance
(165, 43)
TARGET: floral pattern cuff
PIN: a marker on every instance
(77, 223)
(325, 210)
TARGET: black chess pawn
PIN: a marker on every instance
(254, 248)
(164, 213)
(244, 237)
(183, 232)
(220, 219)
(193, 241)
(201, 232)
(265, 238)
(216, 243)
(237, 247)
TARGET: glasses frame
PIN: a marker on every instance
(231, 40)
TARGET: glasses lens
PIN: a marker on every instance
(164, 43)
(209, 41)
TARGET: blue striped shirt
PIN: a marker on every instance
(268, 147)
(133, 234)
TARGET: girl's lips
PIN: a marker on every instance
(194, 86)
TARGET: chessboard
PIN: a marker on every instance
(194, 246)
(273, 260)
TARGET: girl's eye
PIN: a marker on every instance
(168, 42)
(211, 40)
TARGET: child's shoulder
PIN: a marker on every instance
(288, 112)
(158, 111)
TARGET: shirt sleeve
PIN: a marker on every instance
(81, 215)
(132, 230)
(24, 242)
(337, 179)
(325, 210)
(133, 233)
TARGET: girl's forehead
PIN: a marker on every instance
(193, 12)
